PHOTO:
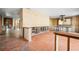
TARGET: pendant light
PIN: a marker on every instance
(62, 17)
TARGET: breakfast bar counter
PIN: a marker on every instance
(68, 35)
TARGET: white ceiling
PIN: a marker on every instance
(9, 12)
(56, 12)
(52, 12)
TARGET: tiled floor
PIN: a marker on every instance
(11, 43)
(41, 42)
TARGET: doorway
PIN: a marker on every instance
(8, 24)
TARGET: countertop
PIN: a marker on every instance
(69, 34)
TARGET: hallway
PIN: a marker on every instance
(41, 42)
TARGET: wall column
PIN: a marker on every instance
(2, 21)
(28, 33)
(13, 23)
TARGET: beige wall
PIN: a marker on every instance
(17, 23)
(75, 23)
(53, 21)
(33, 18)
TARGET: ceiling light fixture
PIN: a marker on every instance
(62, 17)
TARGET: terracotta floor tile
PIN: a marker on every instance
(41, 42)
